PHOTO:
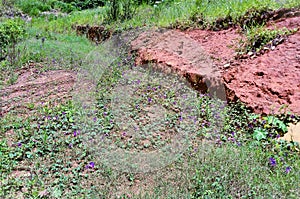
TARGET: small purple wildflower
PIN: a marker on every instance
(90, 165)
(288, 169)
(19, 144)
(124, 134)
(149, 99)
(95, 119)
(75, 133)
(272, 162)
(70, 145)
(180, 118)
(278, 136)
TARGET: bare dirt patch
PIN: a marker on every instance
(265, 83)
(271, 80)
(34, 87)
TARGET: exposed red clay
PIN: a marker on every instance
(265, 83)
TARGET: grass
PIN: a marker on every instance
(222, 152)
(163, 15)
(259, 38)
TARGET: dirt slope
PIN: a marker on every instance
(264, 82)
(34, 87)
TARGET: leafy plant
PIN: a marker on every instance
(259, 37)
(121, 9)
(11, 32)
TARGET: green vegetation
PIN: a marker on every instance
(259, 38)
(230, 152)
(34, 7)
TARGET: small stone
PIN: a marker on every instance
(226, 65)
(293, 133)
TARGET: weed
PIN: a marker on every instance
(260, 38)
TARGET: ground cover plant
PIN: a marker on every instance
(94, 145)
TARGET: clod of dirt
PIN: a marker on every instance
(96, 34)
(35, 88)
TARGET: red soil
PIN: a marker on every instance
(34, 87)
(264, 82)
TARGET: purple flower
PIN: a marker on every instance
(76, 133)
(70, 145)
(149, 99)
(95, 119)
(19, 144)
(124, 133)
(180, 118)
(272, 162)
(288, 169)
(90, 165)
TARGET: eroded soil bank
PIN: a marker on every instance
(35, 87)
(208, 59)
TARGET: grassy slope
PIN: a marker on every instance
(56, 158)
